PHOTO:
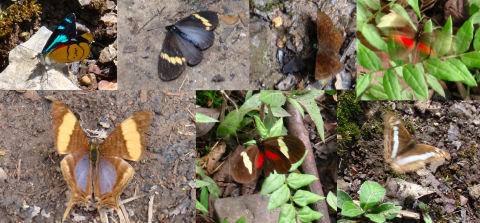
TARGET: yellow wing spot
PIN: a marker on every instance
(283, 147)
(65, 132)
(172, 60)
(132, 138)
(204, 21)
(246, 161)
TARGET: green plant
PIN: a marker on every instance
(371, 194)
(424, 209)
(209, 98)
(452, 62)
(207, 185)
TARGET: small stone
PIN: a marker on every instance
(36, 211)
(107, 54)
(93, 68)
(85, 80)
(474, 191)
(107, 85)
(287, 83)
(32, 95)
(281, 42)
(3, 175)
(84, 2)
(277, 22)
(230, 20)
(109, 19)
(463, 200)
(218, 78)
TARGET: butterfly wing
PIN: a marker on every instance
(245, 165)
(69, 136)
(112, 176)
(416, 158)
(290, 147)
(192, 54)
(128, 141)
(62, 34)
(330, 40)
(197, 28)
(171, 61)
(396, 137)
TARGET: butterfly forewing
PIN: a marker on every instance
(192, 54)
(291, 147)
(171, 61)
(66, 31)
(68, 135)
(396, 137)
(329, 40)
(128, 141)
(198, 27)
(244, 165)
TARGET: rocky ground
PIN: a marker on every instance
(451, 191)
(32, 188)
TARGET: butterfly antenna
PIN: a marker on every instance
(156, 14)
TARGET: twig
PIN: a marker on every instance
(158, 13)
(184, 79)
(150, 208)
(228, 98)
(131, 199)
(19, 167)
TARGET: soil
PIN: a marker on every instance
(325, 152)
(450, 125)
(142, 31)
(52, 13)
(34, 189)
(273, 47)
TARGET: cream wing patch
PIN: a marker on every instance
(283, 147)
(65, 132)
(132, 138)
(246, 161)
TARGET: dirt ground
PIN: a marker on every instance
(34, 189)
(142, 31)
(450, 125)
(90, 16)
(324, 153)
(273, 47)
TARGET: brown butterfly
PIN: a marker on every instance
(329, 43)
(98, 169)
(404, 153)
(276, 153)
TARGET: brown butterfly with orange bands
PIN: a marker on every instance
(329, 43)
(98, 169)
(275, 153)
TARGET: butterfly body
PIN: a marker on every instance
(98, 172)
(276, 153)
(65, 45)
(404, 153)
(184, 43)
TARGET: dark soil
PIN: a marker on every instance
(34, 189)
(450, 125)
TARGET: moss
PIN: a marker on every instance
(19, 12)
(347, 117)
(269, 6)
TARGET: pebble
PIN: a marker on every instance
(3, 175)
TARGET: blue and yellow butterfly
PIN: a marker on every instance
(64, 45)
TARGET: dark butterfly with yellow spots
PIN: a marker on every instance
(98, 169)
(275, 153)
(184, 43)
(65, 45)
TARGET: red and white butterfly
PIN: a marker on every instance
(276, 153)
(403, 152)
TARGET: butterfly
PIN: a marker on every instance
(275, 153)
(184, 43)
(329, 42)
(404, 153)
(98, 169)
(65, 45)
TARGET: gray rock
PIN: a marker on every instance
(453, 131)
(25, 71)
(252, 206)
(474, 191)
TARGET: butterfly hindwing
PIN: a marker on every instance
(244, 165)
(68, 135)
(192, 54)
(128, 141)
(197, 28)
(330, 40)
(171, 61)
(416, 158)
(291, 147)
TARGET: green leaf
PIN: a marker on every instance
(350, 209)
(272, 183)
(272, 97)
(242, 219)
(342, 197)
(306, 214)
(427, 218)
(391, 85)
(442, 70)
(261, 129)
(435, 85)
(314, 112)
(251, 103)
(296, 105)
(200, 207)
(378, 91)
(414, 5)
(204, 198)
(297, 180)
(276, 129)
(462, 70)
(303, 198)
(371, 34)
(471, 59)
(297, 164)
(280, 112)
(415, 78)
(443, 42)
(378, 218)
(287, 214)
(372, 4)
(371, 193)
(363, 82)
(225, 220)
(231, 123)
(278, 197)
(201, 183)
(399, 9)
(202, 118)
(368, 58)
(199, 171)
(212, 188)
(389, 210)
(463, 38)
(332, 200)
(476, 41)
(362, 14)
